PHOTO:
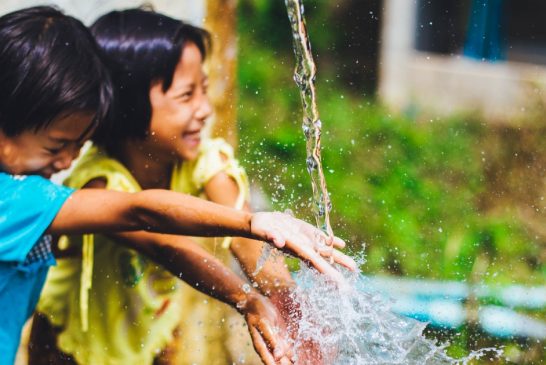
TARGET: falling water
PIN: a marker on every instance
(304, 76)
(346, 326)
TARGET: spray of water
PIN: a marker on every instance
(352, 327)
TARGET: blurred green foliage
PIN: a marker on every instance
(420, 196)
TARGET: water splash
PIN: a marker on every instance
(353, 327)
(304, 76)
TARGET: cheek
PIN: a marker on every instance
(180, 113)
(36, 162)
(25, 155)
(170, 127)
(33, 158)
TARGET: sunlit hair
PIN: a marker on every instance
(49, 68)
(140, 48)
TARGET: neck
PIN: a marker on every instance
(151, 169)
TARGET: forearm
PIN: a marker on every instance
(273, 277)
(188, 261)
(102, 211)
(183, 214)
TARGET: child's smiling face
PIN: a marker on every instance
(48, 150)
(179, 114)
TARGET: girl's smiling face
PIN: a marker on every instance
(47, 150)
(179, 114)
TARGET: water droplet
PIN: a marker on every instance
(246, 288)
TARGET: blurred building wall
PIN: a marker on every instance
(415, 76)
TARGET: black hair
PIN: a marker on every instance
(49, 67)
(140, 48)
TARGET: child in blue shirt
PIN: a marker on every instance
(54, 92)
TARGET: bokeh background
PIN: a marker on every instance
(433, 148)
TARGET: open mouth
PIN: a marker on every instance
(192, 137)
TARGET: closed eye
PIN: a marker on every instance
(186, 95)
(54, 150)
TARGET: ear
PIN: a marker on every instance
(156, 94)
(6, 147)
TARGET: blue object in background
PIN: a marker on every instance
(484, 40)
(441, 304)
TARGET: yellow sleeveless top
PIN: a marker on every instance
(114, 305)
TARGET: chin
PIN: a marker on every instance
(189, 154)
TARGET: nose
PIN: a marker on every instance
(62, 163)
(65, 158)
(204, 109)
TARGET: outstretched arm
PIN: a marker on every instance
(187, 260)
(104, 211)
(162, 211)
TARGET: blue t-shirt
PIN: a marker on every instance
(28, 205)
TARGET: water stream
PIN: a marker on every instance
(346, 326)
(304, 76)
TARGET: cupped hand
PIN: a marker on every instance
(267, 330)
(302, 240)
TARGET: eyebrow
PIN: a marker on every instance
(61, 140)
(192, 84)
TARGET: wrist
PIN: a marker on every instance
(248, 301)
(281, 289)
(248, 224)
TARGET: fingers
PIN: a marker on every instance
(304, 241)
(276, 238)
(312, 258)
(316, 234)
(265, 339)
(272, 339)
(342, 259)
(339, 243)
(261, 347)
(329, 271)
(285, 361)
